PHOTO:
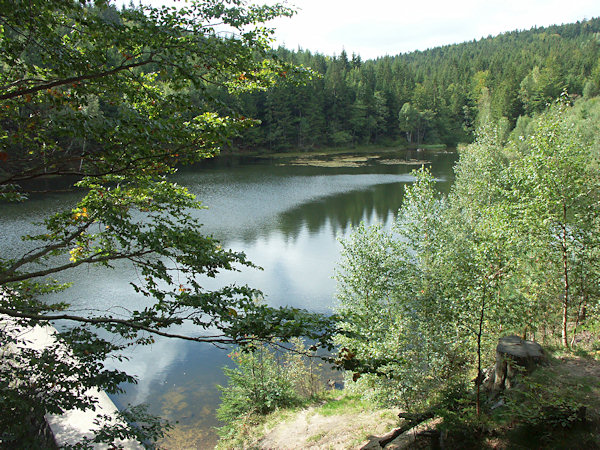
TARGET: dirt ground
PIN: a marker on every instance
(587, 369)
(310, 430)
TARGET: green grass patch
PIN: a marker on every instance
(433, 146)
(344, 405)
(316, 437)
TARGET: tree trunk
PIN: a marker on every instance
(479, 378)
(411, 422)
(565, 311)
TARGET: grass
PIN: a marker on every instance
(343, 405)
(330, 403)
(254, 426)
(316, 437)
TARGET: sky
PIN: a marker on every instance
(376, 28)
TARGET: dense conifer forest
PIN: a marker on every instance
(439, 95)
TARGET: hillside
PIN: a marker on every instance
(437, 96)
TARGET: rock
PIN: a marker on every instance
(514, 355)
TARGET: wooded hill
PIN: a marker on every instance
(434, 96)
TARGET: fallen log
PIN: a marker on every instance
(412, 420)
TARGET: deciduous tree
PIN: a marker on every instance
(102, 98)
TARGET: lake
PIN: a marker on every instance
(287, 218)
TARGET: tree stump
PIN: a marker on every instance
(514, 355)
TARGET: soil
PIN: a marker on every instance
(581, 367)
(587, 369)
(310, 430)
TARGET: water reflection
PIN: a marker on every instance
(249, 208)
(178, 381)
(377, 203)
(286, 219)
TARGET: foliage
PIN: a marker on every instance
(257, 385)
(108, 102)
(395, 327)
(551, 198)
(419, 302)
(441, 95)
(455, 405)
(264, 380)
(542, 414)
(546, 403)
(306, 372)
(512, 249)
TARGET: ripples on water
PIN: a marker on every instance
(286, 219)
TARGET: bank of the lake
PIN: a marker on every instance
(395, 147)
(347, 420)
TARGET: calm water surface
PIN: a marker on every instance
(287, 219)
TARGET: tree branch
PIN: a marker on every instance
(89, 260)
(216, 339)
(38, 253)
(76, 79)
(133, 163)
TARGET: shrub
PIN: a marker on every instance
(540, 409)
(265, 380)
(257, 385)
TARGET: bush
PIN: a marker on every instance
(540, 409)
(265, 380)
(306, 374)
(257, 385)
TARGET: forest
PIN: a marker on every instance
(441, 95)
(512, 250)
